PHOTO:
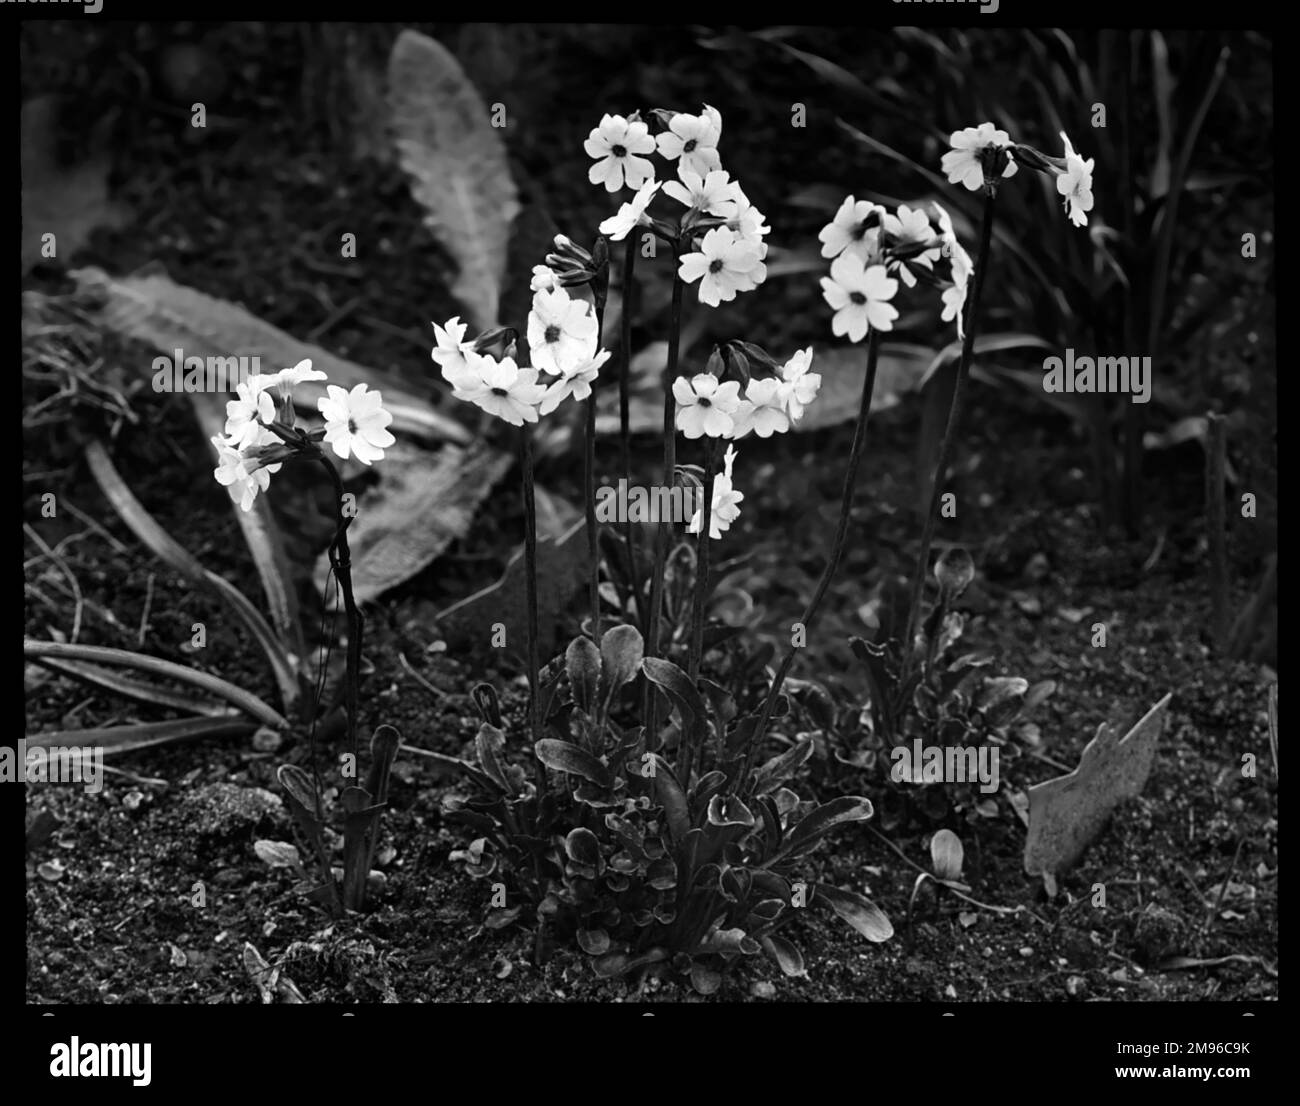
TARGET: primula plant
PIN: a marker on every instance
(639, 818)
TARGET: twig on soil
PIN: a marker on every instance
(334, 319)
(1223, 887)
(95, 526)
(1182, 963)
(144, 615)
(146, 781)
(438, 693)
(62, 565)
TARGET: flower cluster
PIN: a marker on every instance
(983, 155)
(260, 435)
(726, 230)
(562, 338)
(725, 508)
(873, 249)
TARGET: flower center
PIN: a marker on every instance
(716, 265)
(552, 334)
(619, 151)
(499, 392)
(705, 403)
(352, 426)
(689, 146)
(857, 297)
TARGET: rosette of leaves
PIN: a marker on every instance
(932, 691)
(651, 852)
(363, 807)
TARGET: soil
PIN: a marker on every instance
(148, 890)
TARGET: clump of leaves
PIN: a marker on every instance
(672, 852)
(932, 692)
(363, 807)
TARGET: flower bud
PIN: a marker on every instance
(954, 570)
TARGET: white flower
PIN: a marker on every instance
(285, 379)
(245, 415)
(631, 214)
(561, 332)
(749, 223)
(964, 163)
(451, 349)
(763, 410)
(801, 386)
(503, 389)
(694, 139)
(909, 226)
(355, 423)
(855, 228)
(713, 194)
(725, 508)
(1075, 184)
(860, 297)
(576, 383)
(723, 266)
(615, 144)
(704, 406)
(543, 279)
(240, 475)
(954, 306)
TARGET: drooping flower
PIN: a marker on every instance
(800, 385)
(240, 476)
(859, 295)
(630, 215)
(909, 226)
(964, 163)
(693, 139)
(713, 194)
(954, 307)
(855, 229)
(576, 383)
(246, 415)
(503, 389)
(356, 422)
(723, 266)
(543, 279)
(749, 224)
(704, 406)
(561, 332)
(954, 298)
(725, 508)
(615, 145)
(451, 349)
(763, 410)
(1075, 184)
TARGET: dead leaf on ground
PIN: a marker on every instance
(1067, 813)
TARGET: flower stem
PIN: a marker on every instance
(837, 552)
(341, 558)
(624, 420)
(589, 477)
(530, 577)
(702, 548)
(655, 613)
(949, 434)
(702, 563)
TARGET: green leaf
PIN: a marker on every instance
(705, 980)
(621, 652)
(565, 757)
(459, 167)
(860, 912)
(582, 847)
(249, 703)
(669, 793)
(727, 810)
(946, 855)
(133, 689)
(685, 695)
(582, 661)
(144, 735)
(788, 958)
(490, 742)
(847, 808)
(776, 771)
